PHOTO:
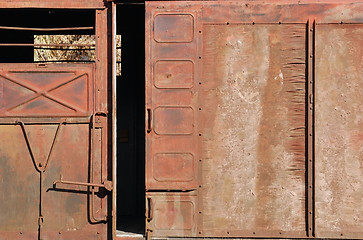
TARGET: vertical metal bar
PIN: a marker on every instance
(101, 97)
(40, 218)
(310, 128)
(199, 88)
(114, 119)
(148, 103)
(101, 61)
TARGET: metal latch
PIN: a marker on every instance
(108, 185)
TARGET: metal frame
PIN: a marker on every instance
(101, 102)
(310, 128)
(77, 4)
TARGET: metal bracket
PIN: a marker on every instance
(99, 119)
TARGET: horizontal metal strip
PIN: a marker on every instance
(45, 29)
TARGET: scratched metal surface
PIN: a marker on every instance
(253, 96)
(339, 130)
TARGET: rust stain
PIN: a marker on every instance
(281, 144)
(248, 120)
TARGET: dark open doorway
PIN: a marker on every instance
(130, 120)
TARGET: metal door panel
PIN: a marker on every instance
(19, 184)
(172, 139)
(339, 130)
(52, 147)
(69, 208)
(37, 91)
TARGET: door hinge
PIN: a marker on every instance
(40, 221)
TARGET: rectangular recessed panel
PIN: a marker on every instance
(180, 212)
(173, 167)
(253, 127)
(173, 120)
(174, 28)
(339, 131)
(174, 74)
(28, 90)
(172, 214)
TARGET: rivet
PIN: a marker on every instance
(254, 232)
(200, 108)
(59, 232)
(200, 212)
(200, 134)
(21, 232)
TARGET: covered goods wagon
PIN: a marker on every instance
(228, 119)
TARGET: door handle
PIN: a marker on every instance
(149, 120)
(150, 213)
(108, 185)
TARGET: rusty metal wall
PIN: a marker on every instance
(253, 122)
(339, 130)
(230, 103)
